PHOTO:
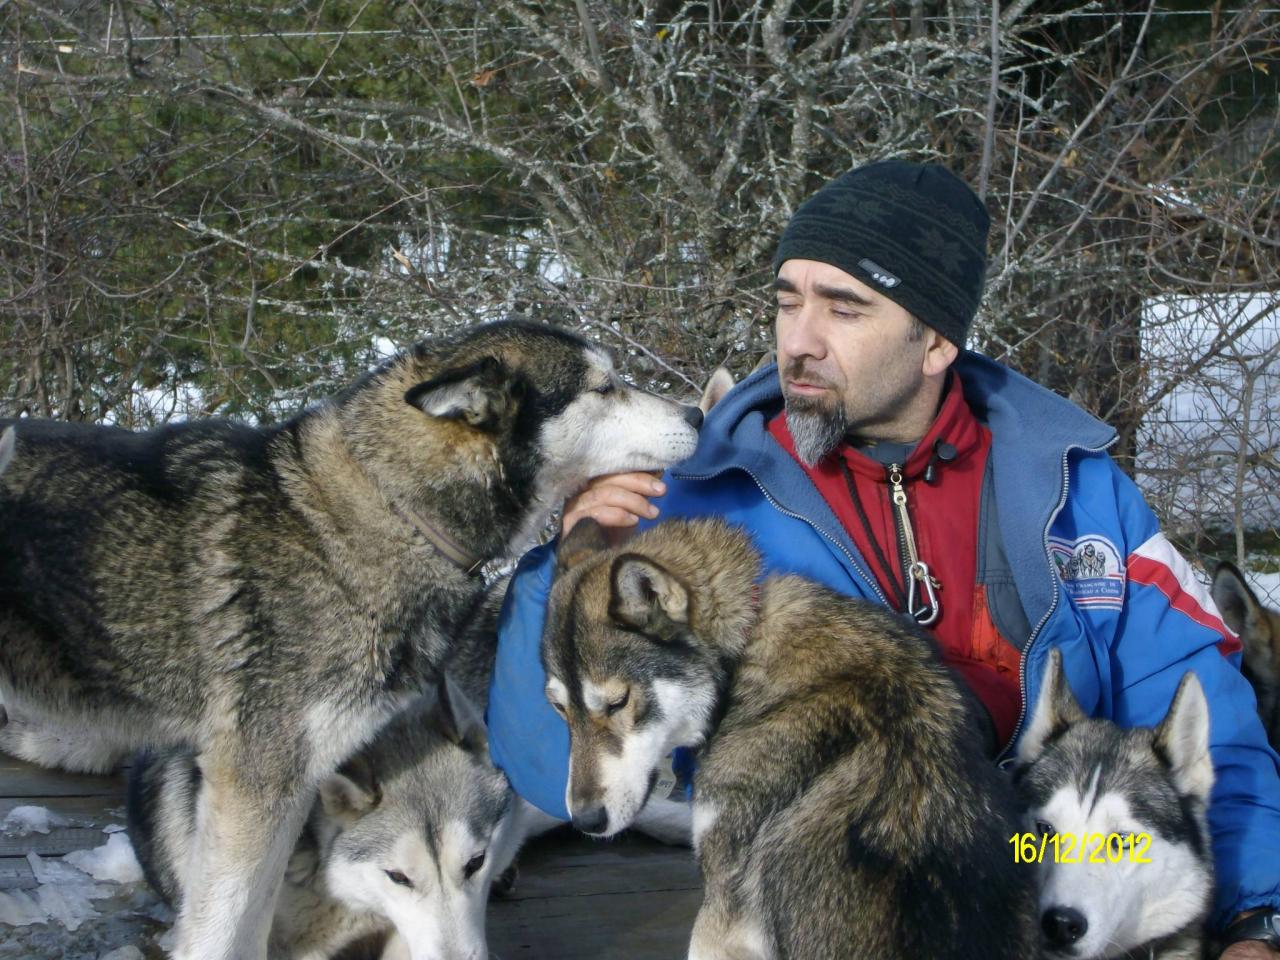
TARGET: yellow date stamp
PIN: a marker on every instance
(1081, 847)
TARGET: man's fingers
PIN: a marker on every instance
(621, 502)
(645, 484)
(601, 498)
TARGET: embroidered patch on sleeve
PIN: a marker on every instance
(1090, 570)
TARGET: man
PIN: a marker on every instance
(883, 460)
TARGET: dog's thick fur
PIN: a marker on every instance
(422, 800)
(843, 806)
(1259, 630)
(1080, 777)
(270, 596)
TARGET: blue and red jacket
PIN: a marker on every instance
(1082, 555)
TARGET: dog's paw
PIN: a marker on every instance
(505, 883)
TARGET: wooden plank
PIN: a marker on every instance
(57, 842)
(630, 926)
(81, 811)
(18, 779)
(15, 874)
(568, 874)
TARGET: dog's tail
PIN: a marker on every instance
(8, 440)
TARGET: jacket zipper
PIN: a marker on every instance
(1004, 758)
(916, 577)
(870, 581)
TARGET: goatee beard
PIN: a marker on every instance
(815, 429)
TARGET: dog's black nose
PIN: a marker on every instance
(1063, 926)
(692, 416)
(593, 820)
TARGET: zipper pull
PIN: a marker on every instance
(920, 579)
(925, 609)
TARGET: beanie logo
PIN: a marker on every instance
(878, 273)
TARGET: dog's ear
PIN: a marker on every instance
(1182, 739)
(1055, 712)
(586, 537)
(461, 721)
(351, 791)
(1236, 602)
(646, 596)
(721, 382)
(481, 394)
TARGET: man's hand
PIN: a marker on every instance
(1248, 950)
(616, 501)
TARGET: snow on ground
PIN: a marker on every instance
(88, 905)
(24, 821)
(113, 861)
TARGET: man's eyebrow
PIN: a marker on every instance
(842, 294)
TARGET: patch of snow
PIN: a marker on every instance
(24, 821)
(113, 861)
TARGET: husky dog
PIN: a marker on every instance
(1079, 778)
(843, 806)
(405, 838)
(269, 597)
(407, 834)
(1259, 630)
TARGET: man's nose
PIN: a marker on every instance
(800, 335)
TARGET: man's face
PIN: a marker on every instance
(851, 360)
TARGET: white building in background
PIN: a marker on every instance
(1209, 450)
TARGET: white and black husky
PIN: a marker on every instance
(1126, 868)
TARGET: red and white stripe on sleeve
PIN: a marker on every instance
(1156, 563)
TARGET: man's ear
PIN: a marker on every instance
(1056, 711)
(646, 596)
(351, 791)
(586, 537)
(939, 353)
(480, 394)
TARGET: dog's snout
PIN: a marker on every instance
(1063, 926)
(692, 416)
(591, 820)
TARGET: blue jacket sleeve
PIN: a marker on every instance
(1169, 626)
(527, 739)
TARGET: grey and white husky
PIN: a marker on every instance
(269, 597)
(407, 835)
(1085, 781)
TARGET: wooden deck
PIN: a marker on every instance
(629, 899)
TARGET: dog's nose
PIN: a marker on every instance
(591, 821)
(692, 416)
(1063, 926)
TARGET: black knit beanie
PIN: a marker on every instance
(914, 232)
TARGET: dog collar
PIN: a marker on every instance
(449, 548)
